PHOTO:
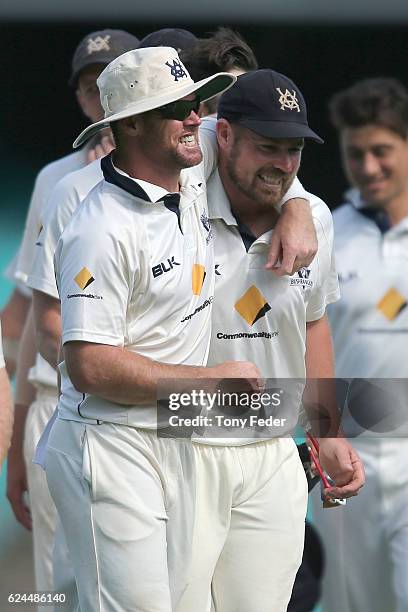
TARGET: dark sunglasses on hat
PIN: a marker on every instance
(179, 110)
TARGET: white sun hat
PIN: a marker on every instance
(144, 79)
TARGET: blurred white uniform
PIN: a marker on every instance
(367, 541)
(42, 375)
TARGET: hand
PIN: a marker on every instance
(343, 465)
(244, 371)
(16, 487)
(294, 241)
(105, 146)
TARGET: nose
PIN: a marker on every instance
(369, 164)
(285, 163)
(192, 120)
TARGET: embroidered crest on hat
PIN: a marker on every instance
(288, 100)
(177, 70)
(98, 44)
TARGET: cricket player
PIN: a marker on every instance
(279, 324)
(36, 384)
(367, 542)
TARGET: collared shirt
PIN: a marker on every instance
(131, 273)
(370, 323)
(257, 316)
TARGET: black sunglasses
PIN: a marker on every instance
(180, 109)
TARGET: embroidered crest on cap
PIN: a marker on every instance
(177, 70)
(99, 43)
(288, 100)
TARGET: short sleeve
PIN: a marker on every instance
(62, 204)
(95, 277)
(296, 190)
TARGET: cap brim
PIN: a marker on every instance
(279, 129)
(205, 89)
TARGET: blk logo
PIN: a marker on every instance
(164, 267)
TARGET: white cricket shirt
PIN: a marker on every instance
(133, 273)
(370, 323)
(257, 316)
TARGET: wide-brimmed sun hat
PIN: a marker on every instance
(144, 79)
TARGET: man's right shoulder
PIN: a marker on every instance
(54, 171)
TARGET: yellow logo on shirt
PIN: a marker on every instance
(84, 278)
(198, 277)
(391, 304)
(252, 306)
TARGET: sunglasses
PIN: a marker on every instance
(180, 109)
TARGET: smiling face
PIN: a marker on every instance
(261, 169)
(172, 142)
(376, 162)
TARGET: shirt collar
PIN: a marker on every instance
(218, 203)
(137, 187)
(377, 215)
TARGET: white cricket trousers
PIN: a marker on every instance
(366, 542)
(163, 525)
(43, 512)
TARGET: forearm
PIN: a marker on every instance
(47, 316)
(6, 414)
(320, 392)
(121, 376)
(13, 318)
(25, 391)
(17, 438)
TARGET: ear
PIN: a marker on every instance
(132, 125)
(224, 134)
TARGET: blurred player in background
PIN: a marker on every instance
(36, 384)
(225, 50)
(367, 542)
(6, 408)
(181, 40)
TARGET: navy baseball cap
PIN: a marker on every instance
(101, 47)
(177, 38)
(269, 103)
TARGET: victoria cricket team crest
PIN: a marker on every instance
(97, 44)
(177, 70)
(288, 100)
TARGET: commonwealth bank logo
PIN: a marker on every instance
(288, 100)
(84, 278)
(252, 306)
(391, 304)
(198, 277)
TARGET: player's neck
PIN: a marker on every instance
(141, 168)
(257, 219)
